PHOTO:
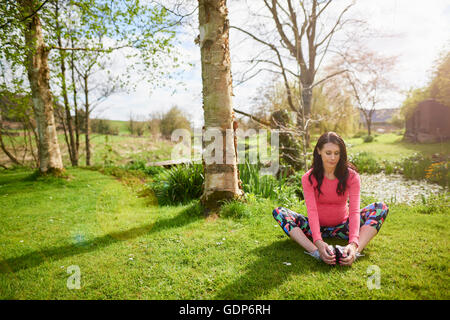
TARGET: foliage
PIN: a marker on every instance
(391, 167)
(435, 204)
(103, 126)
(415, 166)
(413, 97)
(334, 107)
(253, 182)
(438, 172)
(108, 154)
(367, 139)
(142, 166)
(295, 181)
(365, 162)
(439, 86)
(172, 120)
(178, 185)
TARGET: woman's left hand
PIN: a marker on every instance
(349, 255)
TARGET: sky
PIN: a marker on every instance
(418, 31)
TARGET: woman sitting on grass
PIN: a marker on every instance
(327, 186)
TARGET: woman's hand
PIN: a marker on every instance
(326, 254)
(349, 255)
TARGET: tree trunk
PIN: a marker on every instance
(221, 174)
(87, 125)
(38, 75)
(306, 104)
(73, 152)
(75, 104)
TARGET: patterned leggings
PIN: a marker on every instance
(372, 215)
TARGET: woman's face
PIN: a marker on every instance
(330, 154)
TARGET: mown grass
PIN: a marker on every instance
(126, 249)
(392, 147)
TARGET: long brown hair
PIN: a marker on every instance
(341, 172)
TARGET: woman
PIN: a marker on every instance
(327, 186)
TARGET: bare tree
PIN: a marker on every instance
(368, 78)
(95, 91)
(304, 34)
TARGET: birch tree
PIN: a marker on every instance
(26, 18)
(219, 158)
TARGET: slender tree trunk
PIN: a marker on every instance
(38, 75)
(71, 143)
(221, 174)
(75, 104)
(307, 103)
(87, 125)
(71, 146)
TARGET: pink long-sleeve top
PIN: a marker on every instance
(330, 209)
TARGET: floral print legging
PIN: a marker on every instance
(372, 215)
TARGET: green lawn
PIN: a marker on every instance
(391, 147)
(125, 249)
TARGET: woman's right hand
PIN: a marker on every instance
(326, 253)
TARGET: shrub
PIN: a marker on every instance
(103, 126)
(365, 162)
(359, 134)
(141, 165)
(368, 139)
(391, 167)
(178, 185)
(253, 182)
(295, 181)
(438, 173)
(414, 167)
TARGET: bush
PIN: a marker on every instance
(253, 182)
(178, 185)
(391, 167)
(103, 127)
(368, 139)
(438, 173)
(365, 162)
(414, 167)
(295, 181)
(141, 165)
(359, 134)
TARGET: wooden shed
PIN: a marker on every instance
(430, 122)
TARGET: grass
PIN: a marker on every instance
(391, 147)
(126, 249)
(124, 149)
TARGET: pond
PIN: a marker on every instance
(394, 188)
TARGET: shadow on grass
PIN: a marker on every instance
(269, 271)
(35, 258)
